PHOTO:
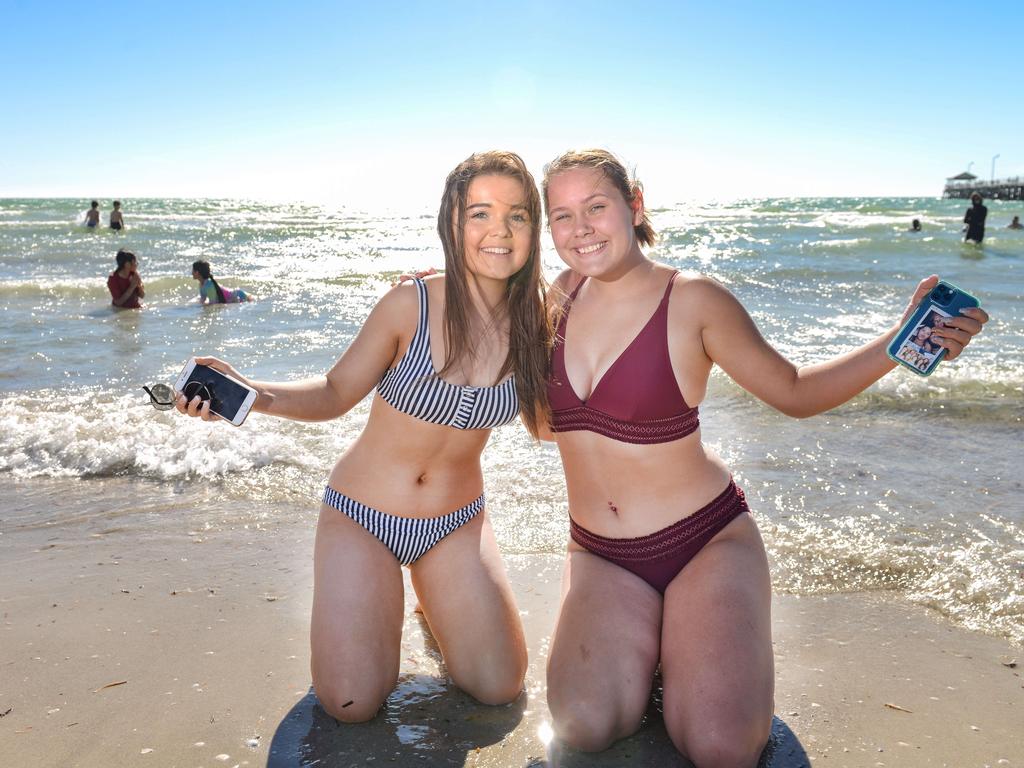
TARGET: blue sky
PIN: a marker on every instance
(372, 103)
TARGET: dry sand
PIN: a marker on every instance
(178, 649)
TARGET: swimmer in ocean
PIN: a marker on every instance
(210, 292)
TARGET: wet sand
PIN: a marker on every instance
(177, 648)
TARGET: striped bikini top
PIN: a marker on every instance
(414, 388)
(637, 400)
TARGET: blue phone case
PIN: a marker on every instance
(911, 346)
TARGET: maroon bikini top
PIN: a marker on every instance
(637, 400)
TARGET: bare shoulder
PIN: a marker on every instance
(695, 286)
(399, 307)
(694, 292)
(435, 288)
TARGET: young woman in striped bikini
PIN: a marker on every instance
(451, 357)
(666, 565)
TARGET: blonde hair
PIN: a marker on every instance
(613, 169)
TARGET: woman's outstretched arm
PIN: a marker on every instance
(328, 396)
(732, 341)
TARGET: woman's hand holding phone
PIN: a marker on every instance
(958, 330)
(197, 407)
(939, 322)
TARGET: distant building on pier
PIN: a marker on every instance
(963, 185)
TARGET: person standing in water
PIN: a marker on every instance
(92, 216)
(1015, 224)
(665, 564)
(975, 220)
(116, 218)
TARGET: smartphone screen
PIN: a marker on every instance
(226, 395)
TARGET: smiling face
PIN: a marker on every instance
(497, 233)
(923, 333)
(592, 225)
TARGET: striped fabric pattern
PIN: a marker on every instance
(414, 388)
(408, 538)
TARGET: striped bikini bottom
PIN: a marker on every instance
(408, 538)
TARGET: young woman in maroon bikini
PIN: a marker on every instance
(666, 565)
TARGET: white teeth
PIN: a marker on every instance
(498, 251)
(590, 248)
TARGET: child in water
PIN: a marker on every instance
(124, 283)
(210, 292)
(92, 216)
(116, 217)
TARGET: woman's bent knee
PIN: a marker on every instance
(493, 692)
(494, 685)
(588, 728)
(348, 704)
(729, 747)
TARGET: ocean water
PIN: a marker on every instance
(913, 487)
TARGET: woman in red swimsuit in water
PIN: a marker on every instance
(666, 565)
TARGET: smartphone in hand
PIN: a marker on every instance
(229, 398)
(913, 346)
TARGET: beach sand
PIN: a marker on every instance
(188, 648)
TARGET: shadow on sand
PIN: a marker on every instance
(424, 722)
(447, 728)
(651, 746)
(427, 721)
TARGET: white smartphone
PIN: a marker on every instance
(229, 398)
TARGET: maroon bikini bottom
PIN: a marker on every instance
(658, 557)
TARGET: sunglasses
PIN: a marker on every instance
(161, 396)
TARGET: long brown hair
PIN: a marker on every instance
(529, 336)
(203, 268)
(613, 169)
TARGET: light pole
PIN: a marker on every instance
(993, 171)
(969, 166)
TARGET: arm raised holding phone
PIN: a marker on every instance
(730, 339)
(326, 397)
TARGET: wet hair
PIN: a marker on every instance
(916, 224)
(94, 204)
(117, 203)
(123, 257)
(203, 268)
(613, 169)
(530, 334)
